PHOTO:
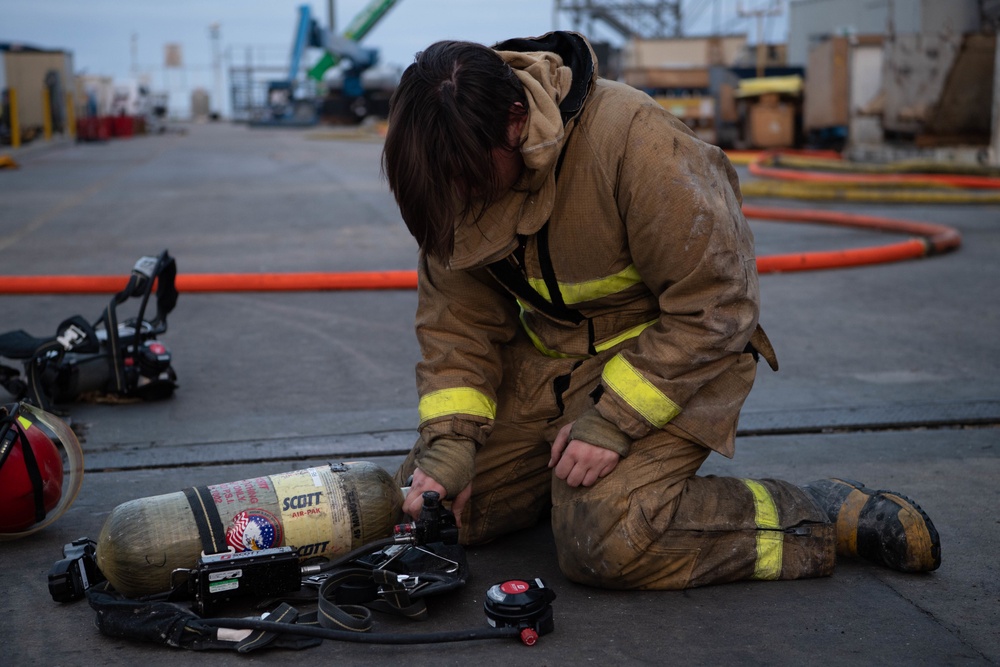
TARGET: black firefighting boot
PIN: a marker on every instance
(881, 526)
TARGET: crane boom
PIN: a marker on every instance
(302, 32)
(347, 44)
(367, 19)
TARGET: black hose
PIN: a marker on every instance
(363, 550)
(361, 637)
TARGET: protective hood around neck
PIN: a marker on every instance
(557, 72)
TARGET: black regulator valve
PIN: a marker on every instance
(436, 524)
(526, 605)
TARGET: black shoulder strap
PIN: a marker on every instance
(206, 517)
(117, 364)
(509, 273)
(510, 276)
(548, 271)
(166, 290)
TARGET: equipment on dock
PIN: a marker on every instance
(319, 512)
(525, 605)
(393, 574)
(123, 359)
(77, 572)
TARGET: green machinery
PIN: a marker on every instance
(352, 101)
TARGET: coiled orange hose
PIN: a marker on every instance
(930, 239)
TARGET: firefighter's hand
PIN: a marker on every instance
(578, 462)
(414, 500)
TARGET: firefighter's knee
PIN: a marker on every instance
(610, 544)
(589, 543)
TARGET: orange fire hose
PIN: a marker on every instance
(217, 282)
(932, 239)
(913, 180)
(765, 166)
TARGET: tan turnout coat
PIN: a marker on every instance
(647, 244)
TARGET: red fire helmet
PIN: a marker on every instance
(31, 471)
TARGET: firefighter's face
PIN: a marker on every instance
(508, 161)
(509, 165)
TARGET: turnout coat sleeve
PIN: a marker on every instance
(462, 321)
(680, 204)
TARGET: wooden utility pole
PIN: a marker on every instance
(995, 129)
(760, 14)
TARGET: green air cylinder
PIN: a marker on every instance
(324, 511)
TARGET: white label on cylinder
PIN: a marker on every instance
(316, 519)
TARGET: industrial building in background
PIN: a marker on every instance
(880, 79)
(893, 78)
(877, 79)
(36, 86)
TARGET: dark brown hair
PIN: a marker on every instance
(450, 111)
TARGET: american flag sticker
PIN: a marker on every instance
(253, 530)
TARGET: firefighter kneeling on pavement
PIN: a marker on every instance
(588, 320)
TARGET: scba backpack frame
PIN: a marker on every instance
(108, 357)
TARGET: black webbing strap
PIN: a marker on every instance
(548, 271)
(10, 434)
(549, 276)
(75, 334)
(174, 624)
(380, 590)
(509, 273)
(163, 274)
(510, 276)
(110, 319)
(35, 475)
(49, 353)
(285, 613)
(166, 291)
(206, 517)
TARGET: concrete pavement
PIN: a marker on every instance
(889, 374)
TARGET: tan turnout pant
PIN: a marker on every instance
(652, 523)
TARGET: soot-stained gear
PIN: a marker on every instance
(884, 527)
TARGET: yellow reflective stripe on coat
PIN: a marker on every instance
(599, 347)
(590, 290)
(770, 537)
(655, 406)
(624, 336)
(459, 400)
(539, 345)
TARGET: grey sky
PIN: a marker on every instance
(100, 32)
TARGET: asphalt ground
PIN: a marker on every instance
(890, 375)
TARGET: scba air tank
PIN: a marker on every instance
(323, 511)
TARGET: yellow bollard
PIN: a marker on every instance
(70, 116)
(46, 114)
(15, 125)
